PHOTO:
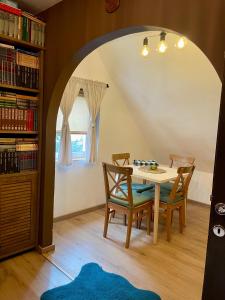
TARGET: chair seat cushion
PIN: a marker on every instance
(139, 187)
(167, 185)
(138, 198)
(165, 196)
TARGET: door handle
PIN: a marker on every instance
(220, 209)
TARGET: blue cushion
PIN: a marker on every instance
(139, 187)
(95, 284)
(138, 198)
(164, 196)
(167, 185)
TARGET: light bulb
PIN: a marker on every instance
(162, 44)
(181, 42)
(162, 47)
(145, 51)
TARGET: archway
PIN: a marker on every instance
(46, 222)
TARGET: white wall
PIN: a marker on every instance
(81, 186)
(176, 97)
(155, 106)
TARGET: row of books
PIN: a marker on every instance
(18, 154)
(12, 161)
(18, 112)
(20, 25)
(18, 119)
(19, 67)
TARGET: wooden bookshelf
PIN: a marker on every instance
(23, 173)
(19, 191)
(18, 132)
(18, 88)
(19, 43)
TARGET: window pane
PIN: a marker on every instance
(57, 145)
(79, 117)
(78, 142)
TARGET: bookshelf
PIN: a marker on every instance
(21, 98)
(18, 88)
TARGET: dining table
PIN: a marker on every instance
(157, 179)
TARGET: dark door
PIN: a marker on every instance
(214, 281)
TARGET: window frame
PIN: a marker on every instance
(73, 132)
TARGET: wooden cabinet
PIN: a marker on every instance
(18, 213)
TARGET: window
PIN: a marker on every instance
(78, 121)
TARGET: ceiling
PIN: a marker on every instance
(36, 6)
(174, 97)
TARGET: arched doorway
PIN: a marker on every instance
(45, 232)
(76, 59)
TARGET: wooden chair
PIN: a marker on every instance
(181, 161)
(121, 160)
(175, 198)
(123, 199)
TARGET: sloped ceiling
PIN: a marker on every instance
(36, 6)
(173, 97)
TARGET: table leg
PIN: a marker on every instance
(156, 212)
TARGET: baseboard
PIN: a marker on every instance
(78, 213)
(43, 250)
(198, 203)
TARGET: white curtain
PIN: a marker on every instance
(94, 92)
(71, 92)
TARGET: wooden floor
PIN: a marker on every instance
(174, 270)
(27, 276)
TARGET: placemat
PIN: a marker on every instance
(148, 170)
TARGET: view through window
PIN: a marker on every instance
(78, 121)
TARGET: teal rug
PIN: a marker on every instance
(95, 284)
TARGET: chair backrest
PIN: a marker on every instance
(181, 161)
(121, 159)
(114, 178)
(181, 184)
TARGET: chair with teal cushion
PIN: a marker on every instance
(175, 162)
(122, 198)
(175, 198)
(123, 159)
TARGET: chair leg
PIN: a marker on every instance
(168, 223)
(107, 213)
(129, 227)
(182, 217)
(185, 212)
(125, 220)
(172, 217)
(148, 219)
(137, 221)
(140, 219)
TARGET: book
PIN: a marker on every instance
(10, 9)
(27, 60)
(10, 3)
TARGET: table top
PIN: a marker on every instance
(170, 174)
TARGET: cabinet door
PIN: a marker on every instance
(18, 213)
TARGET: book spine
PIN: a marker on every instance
(10, 9)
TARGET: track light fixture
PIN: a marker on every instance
(162, 46)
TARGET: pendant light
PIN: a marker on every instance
(145, 50)
(181, 43)
(162, 44)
